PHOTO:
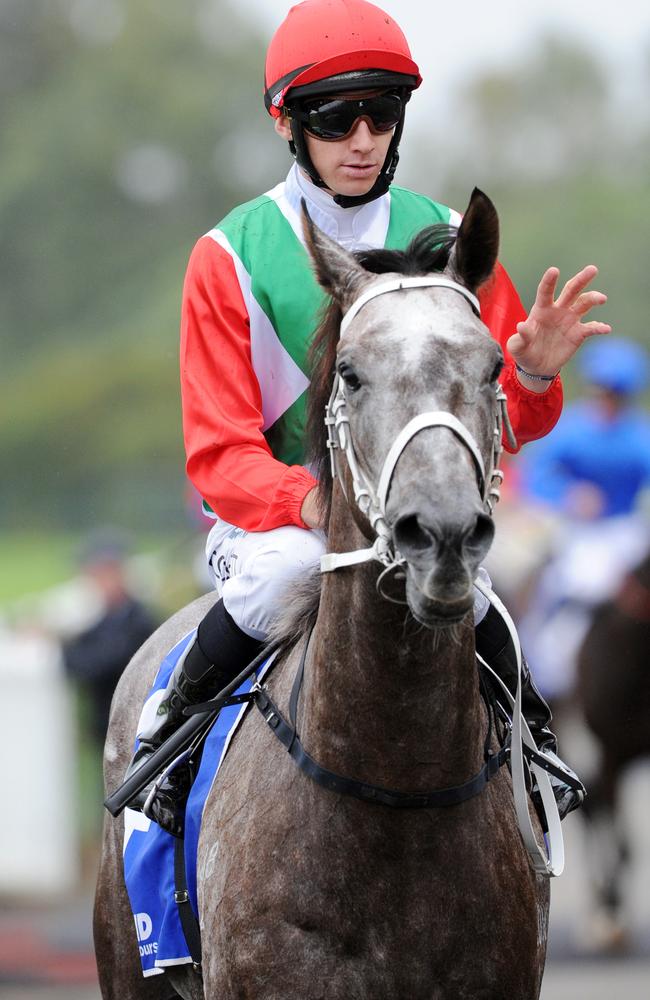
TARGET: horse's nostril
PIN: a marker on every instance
(411, 536)
(481, 536)
(473, 535)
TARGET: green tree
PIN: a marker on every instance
(120, 127)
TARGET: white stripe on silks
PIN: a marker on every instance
(290, 211)
(281, 380)
(376, 225)
(455, 218)
(134, 820)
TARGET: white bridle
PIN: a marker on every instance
(371, 501)
(547, 858)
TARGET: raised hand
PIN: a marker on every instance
(554, 329)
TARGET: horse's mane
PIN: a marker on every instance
(427, 253)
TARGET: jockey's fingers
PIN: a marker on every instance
(587, 301)
(576, 284)
(546, 287)
(524, 332)
(595, 329)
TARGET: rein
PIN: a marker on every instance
(371, 501)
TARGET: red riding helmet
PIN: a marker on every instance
(320, 39)
(335, 46)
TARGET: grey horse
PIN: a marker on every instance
(305, 893)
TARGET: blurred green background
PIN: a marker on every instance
(120, 128)
(126, 132)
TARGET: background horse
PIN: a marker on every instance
(614, 695)
(304, 892)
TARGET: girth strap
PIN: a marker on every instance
(189, 922)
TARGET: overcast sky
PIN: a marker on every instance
(455, 39)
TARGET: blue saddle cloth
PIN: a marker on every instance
(149, 850)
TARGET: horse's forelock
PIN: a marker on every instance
(428, 253)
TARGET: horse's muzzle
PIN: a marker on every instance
(442, 558)
(420, 539)
(434, 613)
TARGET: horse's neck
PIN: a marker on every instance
(385, 699)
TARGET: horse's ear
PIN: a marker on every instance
(477, 244)
(338, 272)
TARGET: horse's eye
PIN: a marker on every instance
(350, 377)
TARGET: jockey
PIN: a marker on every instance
(597, 463)
(339, 75)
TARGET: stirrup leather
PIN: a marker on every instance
(547, 858)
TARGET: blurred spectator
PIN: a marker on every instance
(596, 461)
(593, 470)
(97, 656)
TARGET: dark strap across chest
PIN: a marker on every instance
(287, 734)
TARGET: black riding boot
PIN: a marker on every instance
(220, 651)
(494, 644)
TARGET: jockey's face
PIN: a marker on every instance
(351, 165)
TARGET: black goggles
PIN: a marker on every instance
(332, 118)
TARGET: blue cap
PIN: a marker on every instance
(615, 363)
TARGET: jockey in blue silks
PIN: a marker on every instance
(593, 475)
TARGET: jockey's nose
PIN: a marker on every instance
(361, 137)
(418, 537)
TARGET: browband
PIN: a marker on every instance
(430, 281)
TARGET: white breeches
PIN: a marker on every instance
(252, 570)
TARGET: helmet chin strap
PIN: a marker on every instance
(299, 150)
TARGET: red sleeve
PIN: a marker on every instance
(532, 414)
(228, 459)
